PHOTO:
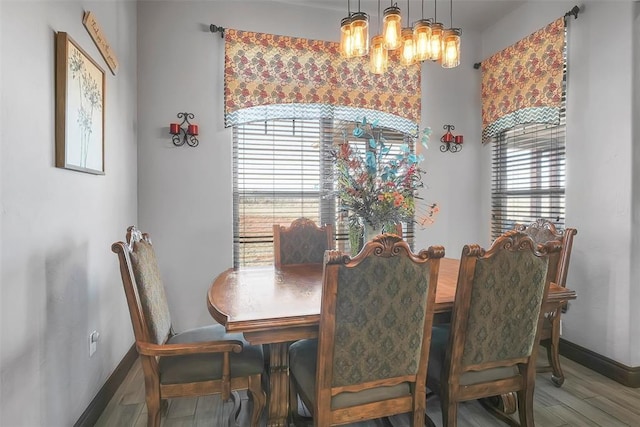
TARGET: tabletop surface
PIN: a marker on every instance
(261, 298)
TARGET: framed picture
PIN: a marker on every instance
(80, 90)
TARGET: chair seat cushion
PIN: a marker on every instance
(437, 354)
(303, 357)
(208, 366)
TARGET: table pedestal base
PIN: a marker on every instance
(278, 384)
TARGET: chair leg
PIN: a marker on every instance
(419, 407)
(502, 407)
(449, 411)
(259, 398)
(553, 352)
(153, 409)
(525, 407)
(152, 398)
(233, 416)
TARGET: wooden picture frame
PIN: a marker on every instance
(80, 92)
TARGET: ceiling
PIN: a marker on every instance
(471, 14)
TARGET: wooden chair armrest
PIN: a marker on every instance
(150, 349)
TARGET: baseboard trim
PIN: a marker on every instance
(625, 375)
(90, 416)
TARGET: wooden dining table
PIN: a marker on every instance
(278, 306)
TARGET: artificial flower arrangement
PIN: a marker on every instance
(377, 187)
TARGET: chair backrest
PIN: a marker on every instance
(497, 314)
(303, 242)
(543, 231)
(143, 287)
(376, 317)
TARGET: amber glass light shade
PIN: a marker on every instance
(391, 28)
(451, 48)
(379, 57)
(436, 41)
(407, 50)
(346, 42)
(360, 34)
(421, 39)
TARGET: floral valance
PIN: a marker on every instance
(524, 82)
(264, 69)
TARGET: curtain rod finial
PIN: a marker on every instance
(216, 29)
(574, 11)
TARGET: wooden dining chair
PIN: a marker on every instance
(303, 242)
(375, 325)
(543, 231)
(195, 362)
(490, 346)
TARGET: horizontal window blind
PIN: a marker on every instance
(277, 178)
(283, 170)
(528, 178)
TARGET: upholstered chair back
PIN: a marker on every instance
(144, 288)
(303, 242)
(506, 298)
(542, 231)
(381, 304)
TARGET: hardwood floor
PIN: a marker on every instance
(586, 399)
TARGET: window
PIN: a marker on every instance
(283, 170)
(528, 178)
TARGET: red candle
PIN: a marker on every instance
(192, 130)
(447, 137)
(174, 128)
(458, 139)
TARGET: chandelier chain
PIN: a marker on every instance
(451, 17)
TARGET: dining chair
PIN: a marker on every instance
(196, 362)
(490, 346)
(303, 242)
(369, 360)
(543, 231)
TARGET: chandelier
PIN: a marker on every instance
(425, 40)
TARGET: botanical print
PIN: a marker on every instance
(84, 109)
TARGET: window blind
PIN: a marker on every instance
(282, 170)
(528, 179)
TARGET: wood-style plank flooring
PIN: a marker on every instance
(586, 399)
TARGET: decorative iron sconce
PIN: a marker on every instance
(184, 132)
(451, 142)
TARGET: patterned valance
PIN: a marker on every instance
(263, 69)
(524, 82)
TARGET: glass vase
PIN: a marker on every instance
(369, 232)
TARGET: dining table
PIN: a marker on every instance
(277, 306)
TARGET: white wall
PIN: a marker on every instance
(634, 320)
(60, 280)
(599, 167)
(452, 96)
(185, 193)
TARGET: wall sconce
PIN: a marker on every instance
(184, 132)
(451, 142)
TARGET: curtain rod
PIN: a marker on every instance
(574, 11)
(216, 29)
